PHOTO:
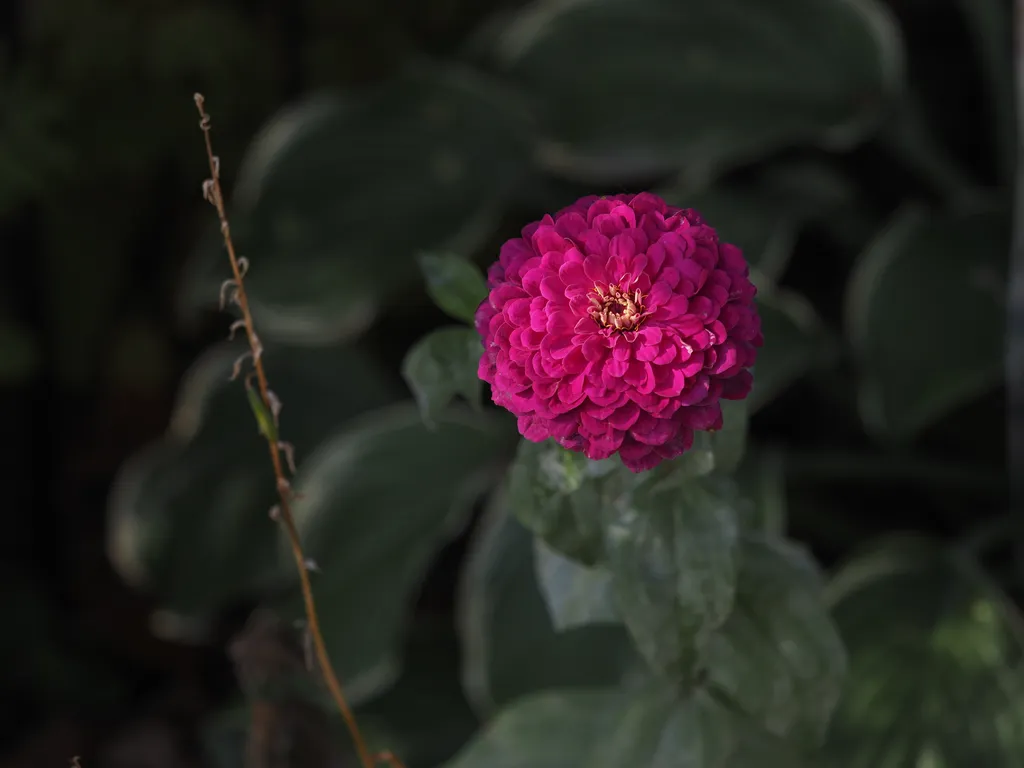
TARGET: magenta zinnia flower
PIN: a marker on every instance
(616, 326)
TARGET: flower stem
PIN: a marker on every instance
(213, 192)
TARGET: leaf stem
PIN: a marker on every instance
(213, 192)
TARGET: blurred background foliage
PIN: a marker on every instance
(861, 152)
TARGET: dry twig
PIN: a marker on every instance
(233, 291)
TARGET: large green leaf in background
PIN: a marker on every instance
(656, 85)
(510, 644)
(778, 656)
(935, 662)
(377, 501)
(620, 728)
(925, 317)
(188, 517)
(339, 194)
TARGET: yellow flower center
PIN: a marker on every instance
(617, 309)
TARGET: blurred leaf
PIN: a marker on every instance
(778, 656)
(762, 480)
(287, 733)
(923, 315)
(454, 284)
(188, 515)
(338, 195)
(795, 342)
(510, 646)
(443, 365)
(19, 353)
(763, 217)
(426, 711)
(557, 494)
(378, 500)
(620, 98)
(672, 557)
(575, 594)
(613, 729)
(935, 661)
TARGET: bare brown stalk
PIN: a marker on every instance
(213, 192)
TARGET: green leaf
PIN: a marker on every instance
(620, 98)
(778, 657)
(510, 646)
(575, 594)
(924, 314)
(762, 480)
(559, 494)
(795, 343)
(455, 285)
(614, 728)
(764, 216)
(378, 500)
(264, 418)
(935, 661)
(672, 556)
(426, 711)
(188, 515)
(339, 194)
(442, 365)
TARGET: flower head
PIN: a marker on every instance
(616, 326)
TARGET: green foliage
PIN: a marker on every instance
(921, 359)
(558, 495)
(609, 728)
(778, 655)
(575, 594)
(672, 558)
(360, 526)
(189, 522)
(455, 285)
(935, 661)
(603, 618)
(512, 645)
(338, 196)
(619, 97)
(441, 366)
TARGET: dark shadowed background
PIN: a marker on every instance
(862, 153)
